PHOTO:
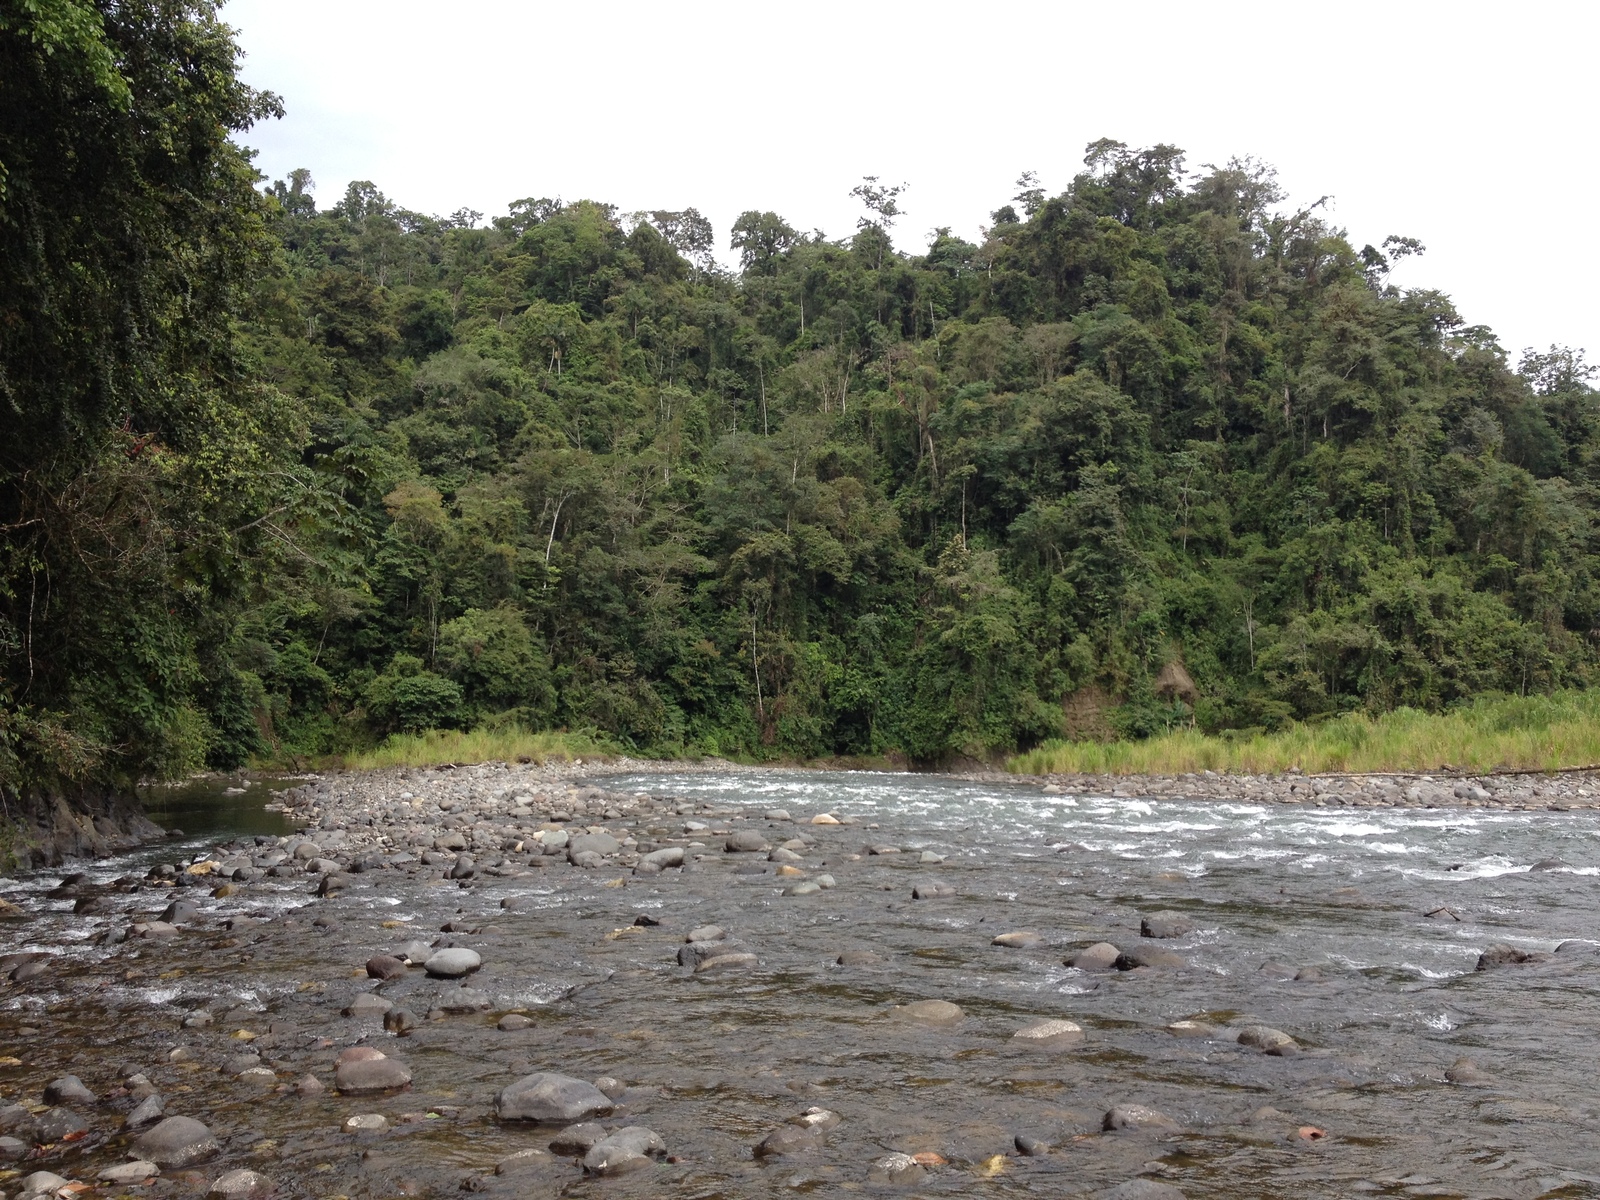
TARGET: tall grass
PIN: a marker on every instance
(1539, 732)
(437, 746)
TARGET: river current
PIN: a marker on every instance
(1312, 921)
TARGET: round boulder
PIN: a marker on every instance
(453, 963)
(176, 1142)
(550, 1098)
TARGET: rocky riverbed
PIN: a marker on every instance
(614, 979)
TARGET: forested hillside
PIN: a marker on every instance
(851, 500)
(559, 468)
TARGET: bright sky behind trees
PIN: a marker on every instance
(1466, 125)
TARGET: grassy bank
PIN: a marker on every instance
(435, 747)
(1543, 732)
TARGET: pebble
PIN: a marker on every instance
(242, 1184)
(929, 1012)
(629, 1149)
(1102, 956)
(1269, 1040)
(369, 1072)
(1136, 1116)
(177, 1142)
(148, 1111)
(1166, 925)
(895, 1168)
(523, 1160)
(548, 1097)
(133, 1172)
(1021, 939)
(452, 963)
(512, 1022)
(366, 1123)
(1051, 1032)
(68, 1089)
(385, 966)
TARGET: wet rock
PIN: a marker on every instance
(1193, 1029)
(1137, 1117)
(745, 841)
(659, 860)
(857, 958)
(630, 1149)
(602, 844)
(726, 962)
(1148, 956)
(367, 1005)
(587, 859)
(334, 881)
(1502, 955)
(130, 1173)
(1551, 864)
(374, 1072)
(1468, 1074)
(139, 929)
(310, 1085)
(1268, 1040)
(817, 1118)
(929, 1012)
(147, 1112)
(1442, 913)
(611, 1086)
(706, 933)
(366, 1123)
(550, 1098)
(932, 889)
(1102, 956)
(180, 912)
(808, 887)
(399, 1021)
(1030, 1147)
(1141, 1189)
(1050, 1033)
(385, 966)
(41, 1183)
(177, 1142)
(1021, 939)
(523, 1160)
(825, 819)
(12, 1149)
(895, 1168)
(1165, 925)
(692, 954)
(1577, 946)
(56, 1123)
(1310, 975)
(416, 953)
(68, 1089)
(512, 1022)
(791, 1139)
(577, 1140)
(452, 963)
(242, 1184)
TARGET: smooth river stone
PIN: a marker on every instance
(1050, 1033)
(1021, 939)
(1102, 956)
(551, 1098)
(630, 1149)
(930, 1012)
(453, 963)
(177, 1142)
(380, 1074)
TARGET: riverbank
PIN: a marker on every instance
(470, 978)
(1541, 733)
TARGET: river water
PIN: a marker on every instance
(1386, 999)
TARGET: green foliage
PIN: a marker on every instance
(409, 698)
(285, 480)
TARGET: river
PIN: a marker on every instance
(1310, 921)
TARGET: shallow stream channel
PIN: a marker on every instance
(1384, 1002)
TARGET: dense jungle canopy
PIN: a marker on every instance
(278, 478)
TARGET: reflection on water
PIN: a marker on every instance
(218, 807)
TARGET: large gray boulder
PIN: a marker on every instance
(177, 1142)
(550, 1098)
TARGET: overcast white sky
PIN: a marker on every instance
(1469, 126)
